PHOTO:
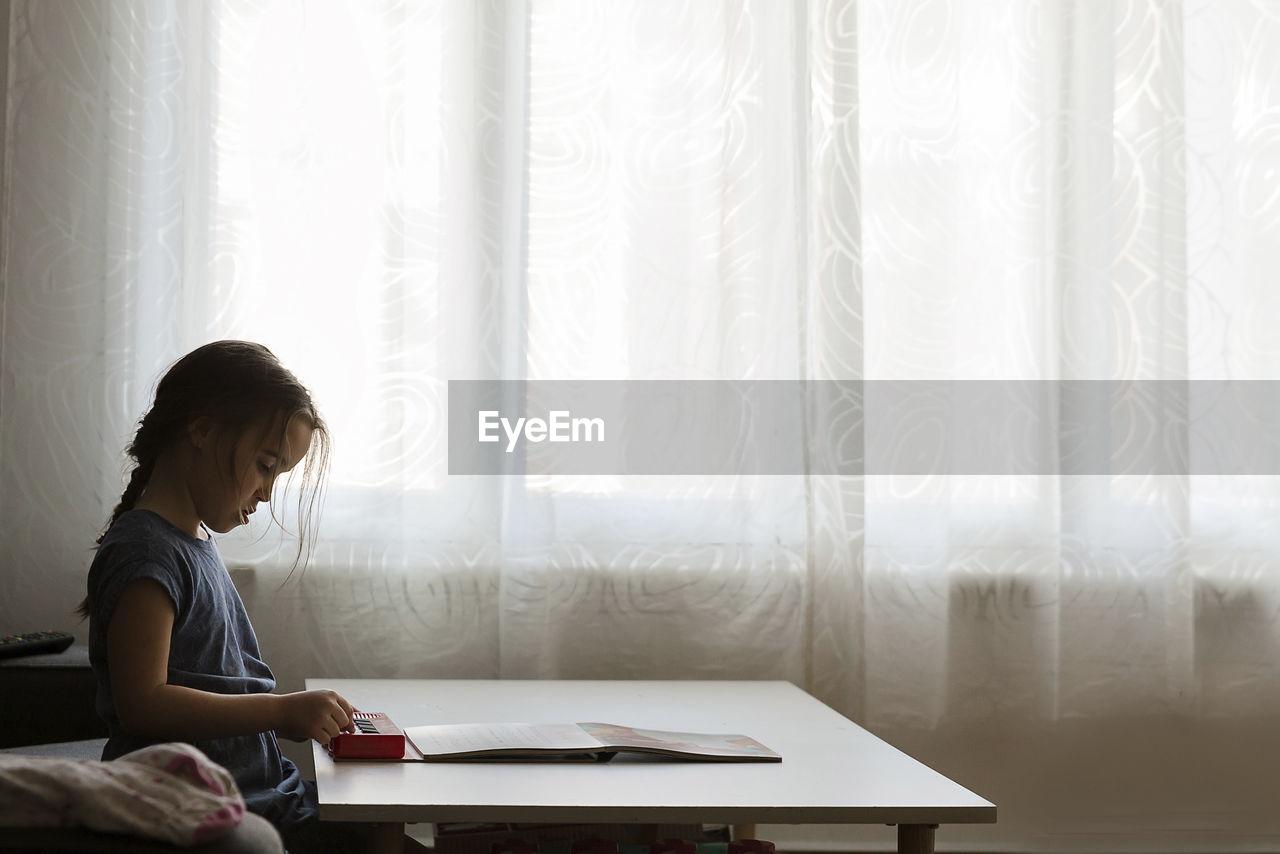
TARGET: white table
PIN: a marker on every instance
(832, 771)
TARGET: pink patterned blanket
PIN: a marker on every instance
(171, 792)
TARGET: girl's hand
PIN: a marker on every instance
(313, 714)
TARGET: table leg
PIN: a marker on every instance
(386, 838)
(916, 838)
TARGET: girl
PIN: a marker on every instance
(171, 646)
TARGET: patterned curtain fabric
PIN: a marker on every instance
(392, 195)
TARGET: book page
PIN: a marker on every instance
(447, 739)
(691, 743)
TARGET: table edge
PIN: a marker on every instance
(657, 815)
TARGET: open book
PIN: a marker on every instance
(506, 741)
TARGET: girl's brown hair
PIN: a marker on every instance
(239, 386)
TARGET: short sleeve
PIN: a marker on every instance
(109, 594)
(116, 575)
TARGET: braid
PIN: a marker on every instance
(144, 449)
(137, 482)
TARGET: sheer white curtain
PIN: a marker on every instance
(392, 195)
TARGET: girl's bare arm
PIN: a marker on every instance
(138, 654)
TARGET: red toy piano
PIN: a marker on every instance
(375, 737)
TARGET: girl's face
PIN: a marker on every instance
(257, 459)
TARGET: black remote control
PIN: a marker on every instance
(34, 643)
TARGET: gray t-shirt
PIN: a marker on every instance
(212, 648)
